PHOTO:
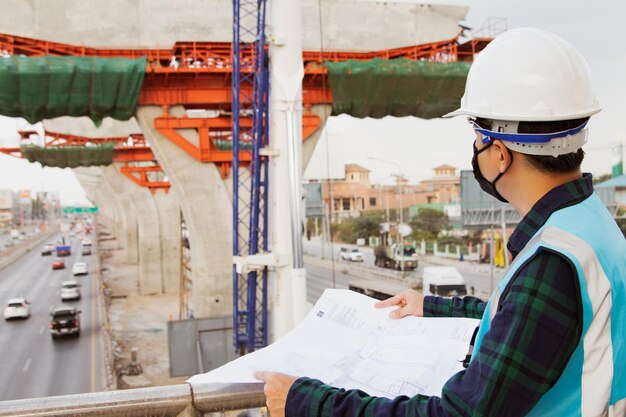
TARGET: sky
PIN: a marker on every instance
(416, 145)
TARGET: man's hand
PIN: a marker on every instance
(411, 303)
(276, 389)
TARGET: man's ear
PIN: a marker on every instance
(504, 155)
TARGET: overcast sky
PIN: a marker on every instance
(595, 28)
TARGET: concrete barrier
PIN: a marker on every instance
(14, 253)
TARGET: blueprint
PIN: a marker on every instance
(348, 343)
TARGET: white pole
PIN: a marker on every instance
(286, 73)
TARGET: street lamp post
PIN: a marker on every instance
(398, 176)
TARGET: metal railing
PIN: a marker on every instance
(172, 400)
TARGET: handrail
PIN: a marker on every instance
(165, 401)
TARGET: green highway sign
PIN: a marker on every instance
(79, 210)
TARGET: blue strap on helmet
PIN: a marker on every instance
(489, 135)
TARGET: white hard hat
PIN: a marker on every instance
(528, 75)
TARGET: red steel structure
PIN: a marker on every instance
(197, 75)
(132, 150)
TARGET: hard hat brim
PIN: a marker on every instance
(518, 118)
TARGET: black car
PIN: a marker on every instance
(65, 322)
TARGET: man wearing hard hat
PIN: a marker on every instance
(552, 337)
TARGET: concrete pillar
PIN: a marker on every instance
(128, 235)
(99, 192)
(308, 146)
(111, 200)
(148, 248)
(207, 209)
(169, 225)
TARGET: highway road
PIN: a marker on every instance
(33, 364)
(319, 277)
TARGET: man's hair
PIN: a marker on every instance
(562, 164)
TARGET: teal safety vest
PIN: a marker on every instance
(593, 382)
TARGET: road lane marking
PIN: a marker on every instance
(41, 330)
(26, 365)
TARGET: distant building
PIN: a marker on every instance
(6, 207)
(354, 194)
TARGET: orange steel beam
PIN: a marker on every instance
(139, 175)
(198, 74)
(216, 56)
(212, 129)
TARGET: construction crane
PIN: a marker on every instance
(250, 182)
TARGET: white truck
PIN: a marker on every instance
(445, 281)
(396, 256)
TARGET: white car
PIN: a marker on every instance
(17, 308)
(353, 255)
(70, 291)
(79, 268)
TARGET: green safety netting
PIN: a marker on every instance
(70, 156)
(51, 86)
(397, 87)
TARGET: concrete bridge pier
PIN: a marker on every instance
(206, 206)
(99, 193)
(128, 236)
(148, 249)
(323, 111)
(170, 233)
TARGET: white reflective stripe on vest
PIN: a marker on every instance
(598, 359)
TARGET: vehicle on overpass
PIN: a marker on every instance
(17, 308)
(47, 249)
(70, 290)
(79, 268)
(58, 263)
(65, 322)
(445, 281)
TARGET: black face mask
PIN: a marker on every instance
(487, 186)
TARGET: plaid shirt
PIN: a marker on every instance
(529, 344)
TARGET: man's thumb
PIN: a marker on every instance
(261, 376)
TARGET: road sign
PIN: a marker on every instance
(79, 210)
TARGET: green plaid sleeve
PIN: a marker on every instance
(470, 307)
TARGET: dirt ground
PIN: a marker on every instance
(136, 321)
(140, 321)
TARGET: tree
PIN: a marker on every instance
(429, 223)
(352, 229)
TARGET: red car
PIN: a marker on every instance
(58, 264)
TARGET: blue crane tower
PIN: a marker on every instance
(250, 86)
